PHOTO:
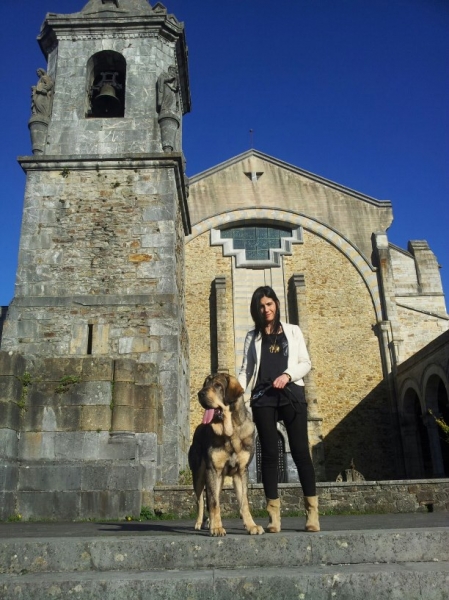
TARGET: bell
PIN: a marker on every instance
(106, 103)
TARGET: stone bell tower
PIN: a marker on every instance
(100, 281)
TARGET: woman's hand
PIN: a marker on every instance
(281, 381)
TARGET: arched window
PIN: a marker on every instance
(256, 246)
(106, 82)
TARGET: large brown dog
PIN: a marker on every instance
(223, 447)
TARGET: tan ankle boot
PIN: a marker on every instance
(311, 504)
(274, 512)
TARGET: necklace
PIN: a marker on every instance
(274, 348)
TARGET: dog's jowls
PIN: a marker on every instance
(223, 447)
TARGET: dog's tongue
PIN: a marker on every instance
(208, 415)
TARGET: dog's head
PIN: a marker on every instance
(219, 392)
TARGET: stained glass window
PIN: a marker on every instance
(256, 241)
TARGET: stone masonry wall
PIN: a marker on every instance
(58, 453)
(356, 497)
(70, 132)
(418, 329)
(97, 231)
(101, 259)
(352, 399)
(203, 263)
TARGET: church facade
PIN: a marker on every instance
(134, 284)
(364, 304)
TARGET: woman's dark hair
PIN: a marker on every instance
(264, 292)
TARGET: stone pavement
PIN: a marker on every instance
(369, 557)
(233, 526)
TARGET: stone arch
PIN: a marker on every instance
(269, 215)
(416, 445)
(436, 399)
(106, 70)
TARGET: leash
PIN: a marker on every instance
(264, 386)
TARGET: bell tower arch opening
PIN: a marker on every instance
(106, 85)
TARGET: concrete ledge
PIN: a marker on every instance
(427, 581)
(145, 547)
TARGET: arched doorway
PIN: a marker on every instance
(437, 401)
(417, 455)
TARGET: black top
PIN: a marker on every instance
(273, 362)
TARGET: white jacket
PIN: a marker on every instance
(298, 358)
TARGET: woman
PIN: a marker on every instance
(275, 360)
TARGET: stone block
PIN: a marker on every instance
(32, 418)
(94, 476)
(78, 339)
(12, 363)
(90, 393)
(146, 373)
(36, 445)
(133, 345)
(124, 477)
(123, 418)
(145, 420)
(97, 369)
(8, 476)
(146, 396)
(124, 393)
(124, 369)
(147, 446)
(45, 418)
(96, 417)
(10, 388)
(42, 393)
(49, 476)
(10, 415)
(56, 369)
(60, 506)
(149, 475)
(8, 444)
(68, 418)
(119, 449)
(76, 445)
(107, 504)
(7, 504)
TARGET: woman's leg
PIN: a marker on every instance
(295, 421)
(266, 424)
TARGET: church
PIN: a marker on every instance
(134, 283)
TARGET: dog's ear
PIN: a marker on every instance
(208, 379)
(234, 389)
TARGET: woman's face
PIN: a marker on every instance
(267, 308)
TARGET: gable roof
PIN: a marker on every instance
(252, 153)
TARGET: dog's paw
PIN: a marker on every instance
(198, 525)
(218, 532)
(255, 530)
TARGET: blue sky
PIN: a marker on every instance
(356, 91)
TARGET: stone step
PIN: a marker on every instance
(197, 550)
(405, 581)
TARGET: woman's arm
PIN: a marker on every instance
(298, 357)
(247, 368)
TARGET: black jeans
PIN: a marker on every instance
(295, 422)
